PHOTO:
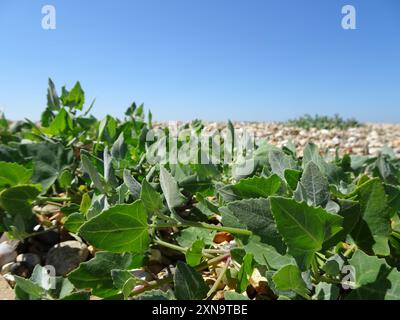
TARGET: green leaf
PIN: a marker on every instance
(206, 207)
(65, 179)
(254, 215)
(189, 235)
(150, 197)
(32, 289)
(95, 274)
(74, 221)
(74, 98)
(156, 295)
(279, 162)
(289, 278)
(53, 101)
(12, 174)
(189, 285)
(292, 177)
(195, 253)
(122, 228)
(61, 123)
(315, 185)
(267, 255)
(257, 187)
(231, 295)
(18, 200)
(85, 203)
(170, 189)
(93, 173)
(304, 229)
(119, 148)
(326, 291)
(373, 278)
(133, 186)
(373, 230)
(123, 280)
(245, 272)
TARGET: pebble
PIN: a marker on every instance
(31, 259)
(6, 293)
(365, 140)
(6, 268)
(21, 269)
(66, 256)
(8, 251)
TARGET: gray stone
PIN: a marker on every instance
(8, 251)
(6, 268)
(66, 256)
(31, 259)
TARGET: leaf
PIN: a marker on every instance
(254, 215)
(18, 200)
(122, 228)
(53, 102)
(74, 98)
(195, 253)
(12, 174)
(257, 187)
(315, 185)
(32, 289)
(304, 229)
(189, 235)
(85, 203)
(189, 285)
(279, 162)
(93, 173)
(74, 221)
(245, 272)
(109, 174)
(231, 295)
(61, 123)
(326, 291)
(331, 171)
(123, 280)
(95, 274)
(133, 186)
(170, 189)
(373, 279)
(119, 148)
(292, 177)
(267, 255)
(289, 278)
(373, 230)
(156, 295)
(206, 207)
(150, 197)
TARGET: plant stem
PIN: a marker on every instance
(54, 199)
(170, 245)
(219, 279)
(152, 285)
(205, 226)
(211, 262)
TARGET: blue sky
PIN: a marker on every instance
(208, 59)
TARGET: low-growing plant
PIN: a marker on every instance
(323, 122)
(293, 228)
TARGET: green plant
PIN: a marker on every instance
(312, 229)
(323, 122)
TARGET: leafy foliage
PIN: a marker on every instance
(309, 227)
(323, 122)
